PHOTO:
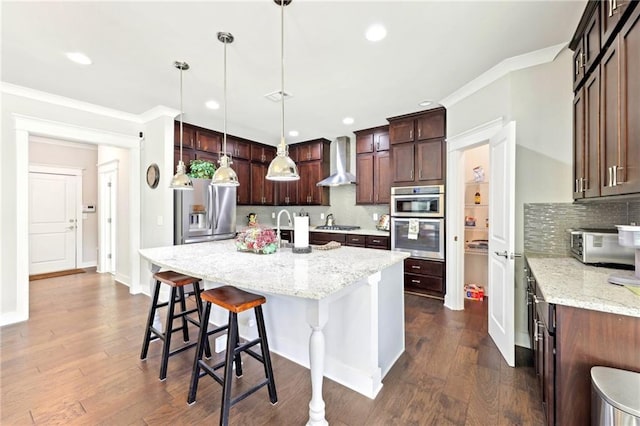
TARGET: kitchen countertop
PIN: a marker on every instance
(566, 281)
(314, 275)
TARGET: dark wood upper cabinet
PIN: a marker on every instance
(262, 153)
(430, 162)
(401, 131)
(188, 135)
(243, 170)
(611, 15)
(208, 141)
(430, 125)
(578, 145)
(312, 151)
(311, 172)
(261, 187)
(403, 162)
(373, 174)
(586, 43)
(238, 148)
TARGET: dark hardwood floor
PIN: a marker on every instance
(76, 362)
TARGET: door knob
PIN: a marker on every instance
(71, 228)
(504, 254)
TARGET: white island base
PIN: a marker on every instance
(352, 334)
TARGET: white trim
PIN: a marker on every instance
(25, 126)
(28, 93)
(90, 264)
(456, 145)
(55, 169)
(67, 144)
(106, 170)
(537, 57)
(108, 166)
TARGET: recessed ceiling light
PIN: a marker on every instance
(212, 105)
(79, 58)
(293, 133)
(347, 120)
(425, 103)
(376, 32)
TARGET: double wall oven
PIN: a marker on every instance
(417, 221)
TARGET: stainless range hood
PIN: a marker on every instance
(343, 158)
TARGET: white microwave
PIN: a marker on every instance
(420, 237)
(417, 201)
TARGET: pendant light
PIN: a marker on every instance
(225, 175)
(180, 180)
(282, 167)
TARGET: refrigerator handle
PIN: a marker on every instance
(216, 210)
(209, 223)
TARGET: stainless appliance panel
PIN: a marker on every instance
(205, 214)
(600, 246)
(417, 201)
(429, 243)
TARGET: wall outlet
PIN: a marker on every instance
(375, 216)
(273, 215)
(321, 216)
(221, 343)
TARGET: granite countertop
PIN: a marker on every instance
(566, 281)
(315, 275)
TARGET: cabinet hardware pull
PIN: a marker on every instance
(415, 267)
(419, 132)
(577, 66)
(420, 174)
(583, 59)
(535, 330)
(410, 134)
(611, 8)
(576, 186)
(376, 241)
(415, 281)
(411, 174)
(610, 176)
(540, 335)
(615, 175)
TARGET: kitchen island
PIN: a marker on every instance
(338, 312)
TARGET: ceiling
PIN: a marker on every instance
(331, 70)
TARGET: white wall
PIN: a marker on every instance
(46, 151)
(539, 100)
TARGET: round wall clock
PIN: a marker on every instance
(153, 175)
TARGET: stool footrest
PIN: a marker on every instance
(249, 392)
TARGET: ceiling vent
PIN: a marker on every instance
(277, 96)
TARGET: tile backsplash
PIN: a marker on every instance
(546, 224)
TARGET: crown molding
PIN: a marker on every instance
(25, 92)
(157, 112)
(515, 63)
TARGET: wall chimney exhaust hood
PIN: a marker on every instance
(343, 158)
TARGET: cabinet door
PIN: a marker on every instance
(188, 135)
(238, 148)
(431, 126)
(355, 240)
(430, 161)
(261, 188)
(611, 12)
(382, 181)
(609, 119)
(262, 153)
(243, 170)
(629, 46)
(578, 144)
(310, 174)
(591, 182)
(375, 242)
(381, 140)
(364, 143)
(592, 40)
(286, 193)
(209, 142)
(365, 178)
(578, 66)
(402, 159)
(549, 364)
(401, 131)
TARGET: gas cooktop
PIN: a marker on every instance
(338, 227)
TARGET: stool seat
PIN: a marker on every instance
(233, 299)
(178, 295)
(175, 279)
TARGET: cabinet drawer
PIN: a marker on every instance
(376, 242)
(320, 238)
(355, 240)
(424, 282)
(286, 235)
(424, 267)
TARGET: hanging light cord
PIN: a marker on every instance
(282, 73)
(181, 70)
(224, 142)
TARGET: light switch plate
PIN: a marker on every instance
(321, 216)
(375, 216)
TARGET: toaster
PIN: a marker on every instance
(600, 246)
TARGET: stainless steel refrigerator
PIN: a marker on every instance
(207, 213)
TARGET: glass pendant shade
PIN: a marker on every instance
(282, 167)
(225, 175)
(181, 181)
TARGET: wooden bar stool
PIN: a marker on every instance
(235, 301)
(177, 282)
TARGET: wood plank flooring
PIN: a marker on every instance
(76, 362)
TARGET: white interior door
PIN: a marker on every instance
(107, 193)
(52, 222)
(502, 241)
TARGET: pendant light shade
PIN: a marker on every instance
(225, 175)
(180, 180)
(282, 167)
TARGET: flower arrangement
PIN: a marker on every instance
(258, 240)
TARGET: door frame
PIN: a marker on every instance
(104, 170)
(456, 145)
(24, 127)
(68, 171)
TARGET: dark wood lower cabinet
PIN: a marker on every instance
(583, 339)
(425, 277)
(350, 240)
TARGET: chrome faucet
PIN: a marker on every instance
(278, 226)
